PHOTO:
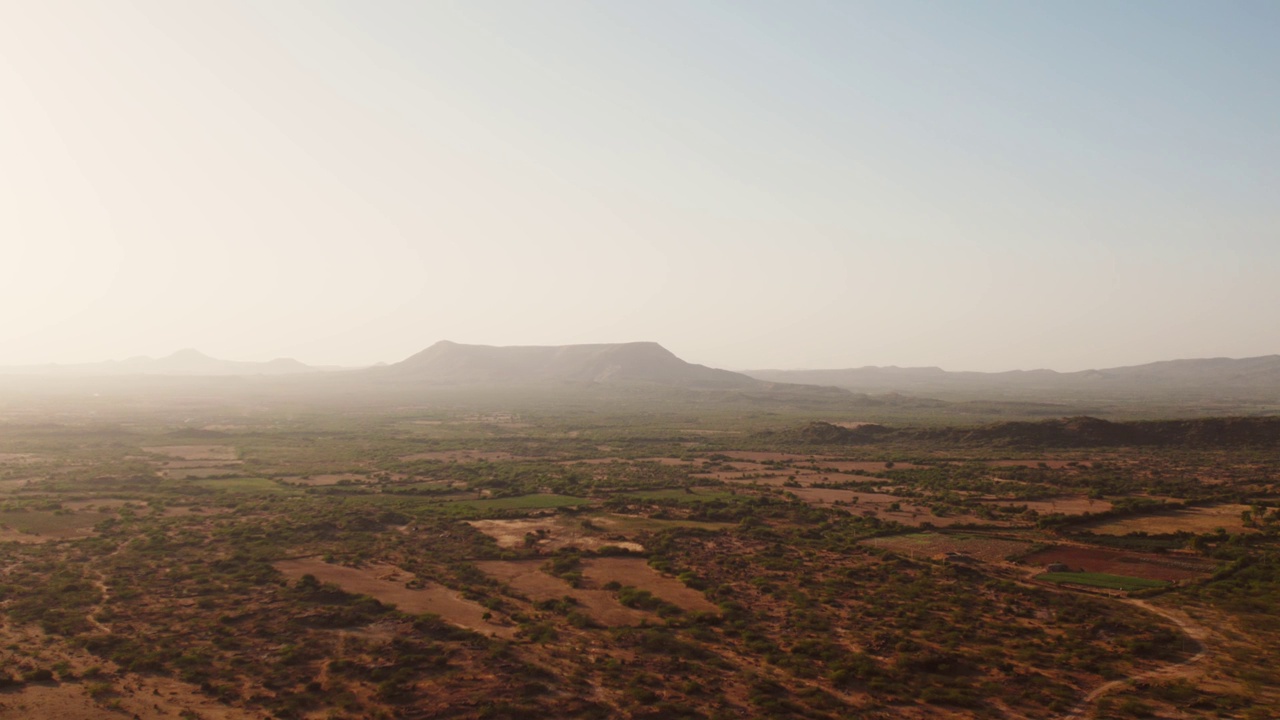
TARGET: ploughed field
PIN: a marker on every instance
(588, 566)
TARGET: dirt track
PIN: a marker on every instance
(1192, 629)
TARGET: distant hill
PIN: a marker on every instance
(450, 363)
(187, 362)
(1067, 432)
(1248, 378)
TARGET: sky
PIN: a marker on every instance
(799, 184)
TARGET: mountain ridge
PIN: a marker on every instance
(186, 362)
(1255, 376)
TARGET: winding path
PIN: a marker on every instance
(1192, 629)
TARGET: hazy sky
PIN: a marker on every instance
(975, 185)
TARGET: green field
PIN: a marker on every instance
(1103, 580)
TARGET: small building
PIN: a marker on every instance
(1057, 567)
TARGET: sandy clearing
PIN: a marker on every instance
(387, 584)
(18, 458)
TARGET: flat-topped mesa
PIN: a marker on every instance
(634, 362)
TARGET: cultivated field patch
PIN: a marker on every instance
(1102, 580)
(978, 547)
(325, 479)
(637, 573)
(1049, 463)
(627, 524)
(527, 578)
(674, 462)
(204, 471)
(388, 584)
(523, 502)
(240, 484)
(45, 525)
(1075, 505)
(462, 456)
(12, 484)
(1150, 566)
(1197, 520)
(549, 533)
(104, 504)
(194, 452)
(683, 495)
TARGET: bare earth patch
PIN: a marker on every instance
(387, 584)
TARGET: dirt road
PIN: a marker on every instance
(1192, 629)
